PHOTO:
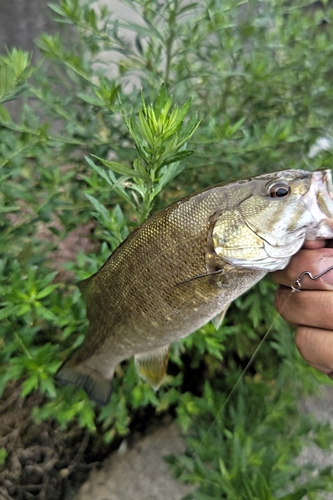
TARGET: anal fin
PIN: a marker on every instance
(152, 365)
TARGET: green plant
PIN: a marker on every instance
(244, 449)
(160, 139)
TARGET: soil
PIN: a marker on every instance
(43, 461)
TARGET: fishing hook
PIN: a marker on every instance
(296, 285)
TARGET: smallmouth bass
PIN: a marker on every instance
(186, 264)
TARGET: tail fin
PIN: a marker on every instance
(97, 387)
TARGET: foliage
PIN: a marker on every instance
(240, 449)
(88, 143)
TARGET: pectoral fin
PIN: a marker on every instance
(152, 365)
(217, 321)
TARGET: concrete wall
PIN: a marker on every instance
(21, 21)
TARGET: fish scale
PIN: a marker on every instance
(186, 264)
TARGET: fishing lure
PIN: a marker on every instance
(296, 285)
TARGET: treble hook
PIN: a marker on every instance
(296, 285)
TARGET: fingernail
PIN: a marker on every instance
(323, 264)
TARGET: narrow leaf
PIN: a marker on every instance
(118, 167)
(161, 99)
(7, 311)
(177, 156)
(4, 114)
(94, 101)
(296, 495)
(139, 167)
(99, 170)
(98, 206)
(47, 291)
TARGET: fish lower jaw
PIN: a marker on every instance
(263, 265)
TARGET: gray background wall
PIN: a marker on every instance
(21, 21)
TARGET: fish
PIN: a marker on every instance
(184, 266)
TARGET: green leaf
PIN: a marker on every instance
(145, 130)
(57, 9)
(3, 456)
(198, 495)
(94, 101)
(296, 495)
(245, 484)
(168, 172)
(190, 127)
(49, 289)
(100, 171)
(161, 99)
(29, 385)
(100, 209)
(9, 310)
(118, 168)
(140, 169)
(46, 313)
(261, 487)
(8, 209)
(4, 114)
(47, 386)
(180, 155)
(233, 128)
(183, 111)
(142, 30)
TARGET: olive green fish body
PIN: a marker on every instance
(184, 266)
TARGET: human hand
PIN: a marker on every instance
(311, 309)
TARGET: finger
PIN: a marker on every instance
(314, 244)
(306, 308)
(316, 347)
(314, 261)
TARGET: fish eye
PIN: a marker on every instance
(279, 190)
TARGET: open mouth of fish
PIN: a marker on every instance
(319, 201)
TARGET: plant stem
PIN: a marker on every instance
(146, 203)
(169, 41)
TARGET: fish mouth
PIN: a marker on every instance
(319, 201)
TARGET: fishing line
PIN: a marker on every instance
(247, 367)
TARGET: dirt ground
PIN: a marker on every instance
(43, 462)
